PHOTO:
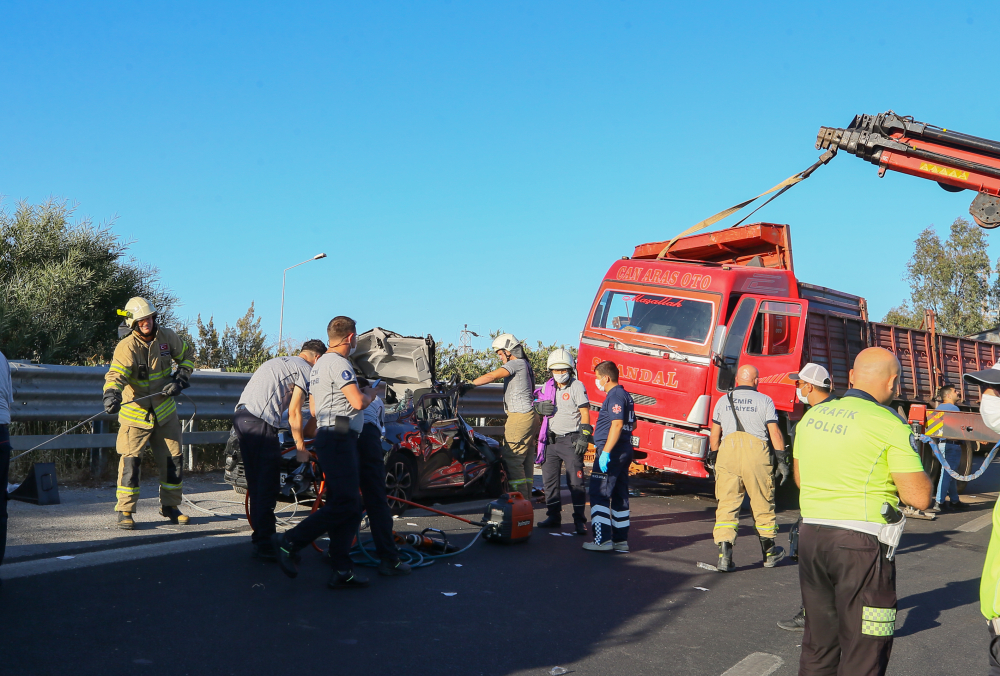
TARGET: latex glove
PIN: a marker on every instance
(602, 462)
(711, 459)
(545, 408)
(172, 389)
(112, 400)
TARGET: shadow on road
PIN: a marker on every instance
(925, 608)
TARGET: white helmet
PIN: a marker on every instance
(560, 359)
(135, 309)
(505, 341)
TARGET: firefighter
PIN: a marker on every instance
(989, 586)
(609, 508)
(521, 428)
(855, 459)
(742, 424)
(564, 437)
(141, 373)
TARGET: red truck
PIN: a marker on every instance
(679, 319)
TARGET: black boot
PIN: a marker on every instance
(772, 554)
(553, 521)
(726, 557)
(580, 525)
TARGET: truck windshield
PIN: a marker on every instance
(665, 316)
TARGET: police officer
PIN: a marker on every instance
(854, 460)
(609, 509)
(564, 437)
(521, 427)
(742, 423)
(813, 386)
(336, 402)
(140, 368)
(6, 401)
(264, 401)
(371, 476)
(989, 586)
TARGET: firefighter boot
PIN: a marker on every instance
(174, 515)
(553, 521)
(772, 554)
(726, 564)
(125, 521)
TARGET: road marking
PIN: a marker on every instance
(755, 664)
(979, 523)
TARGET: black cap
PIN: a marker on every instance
(990, 376)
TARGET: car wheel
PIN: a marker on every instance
(400, 481)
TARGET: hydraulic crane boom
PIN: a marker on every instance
(955, 161)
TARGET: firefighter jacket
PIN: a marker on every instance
(139, 369)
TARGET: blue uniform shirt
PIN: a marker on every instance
(617, 406)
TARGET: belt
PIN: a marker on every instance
(568, 434)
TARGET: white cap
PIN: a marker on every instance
(814, 374)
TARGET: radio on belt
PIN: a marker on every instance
(510, 519)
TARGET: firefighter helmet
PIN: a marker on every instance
(135, 309)
(560, 359)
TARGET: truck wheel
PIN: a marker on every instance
(400, 481)
(965, 464)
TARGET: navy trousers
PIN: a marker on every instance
(261, 453)
(4, 478)
(371, 474)
(609, 512)
(340, 514)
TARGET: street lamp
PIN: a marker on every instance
(281, 324)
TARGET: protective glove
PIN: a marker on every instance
(183, 377)
(710, 460)
(602, 462)
(172, 389)
(112, 400)
(783, 470)
(584, 439)
(545, 408)
(465, 387)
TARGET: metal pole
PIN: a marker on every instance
(281, 321)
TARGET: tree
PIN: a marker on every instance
(450, 360)
(242, 348)
(61, 283)
(953, 278)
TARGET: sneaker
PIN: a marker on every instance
(960, 506)
(620, 546)
(347, 580)
(264, 551)
(391, 568)
(125, 521)
(551, 522)
(935, 508)
(287, 557)
(606, 546)
(174, 515)
(797, 623)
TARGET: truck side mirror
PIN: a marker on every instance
(718, 340)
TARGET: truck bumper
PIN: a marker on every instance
(650, 437)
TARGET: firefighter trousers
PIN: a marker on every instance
(849, 594)
(743, 468)
(164, 438)
(609, 505)
(558, 453)
(520, 436)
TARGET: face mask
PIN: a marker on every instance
(802, 397)
(989, 410)
(561, 377)
(597, 381)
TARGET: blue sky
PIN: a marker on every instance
(474, 162)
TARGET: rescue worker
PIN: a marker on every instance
(141, 373)
(609, 505)
(855, 459)
(6, 402)
(521, 428)
(948, 397)
(813, 386)
(989, 585)
(265, 399)
(565, 435)
(336, 401)
(742, 423)
(371, 478)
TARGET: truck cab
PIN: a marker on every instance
(679, 319)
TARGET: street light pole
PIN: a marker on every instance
(281, 324)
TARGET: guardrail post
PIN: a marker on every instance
(97, 462)
(190, 455)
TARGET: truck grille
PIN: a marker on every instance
(643, 400)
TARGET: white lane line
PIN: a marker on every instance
(979, 523)
(755, 664)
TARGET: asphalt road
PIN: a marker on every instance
(203, 606)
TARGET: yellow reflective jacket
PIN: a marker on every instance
(140, 368)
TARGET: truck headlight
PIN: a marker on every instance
(688, 444)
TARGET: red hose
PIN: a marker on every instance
(431, 509)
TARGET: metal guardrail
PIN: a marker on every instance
(485, 401)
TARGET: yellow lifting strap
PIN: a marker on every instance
(784, 185)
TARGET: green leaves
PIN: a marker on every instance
(469, 365)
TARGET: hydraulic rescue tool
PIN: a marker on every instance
(954, 160)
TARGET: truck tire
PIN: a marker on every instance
(400, 480)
